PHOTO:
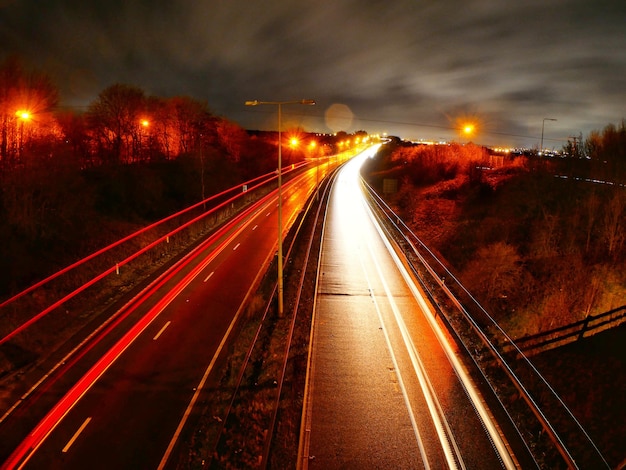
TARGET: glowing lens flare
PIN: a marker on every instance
(23, 114)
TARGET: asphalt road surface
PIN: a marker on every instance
(385, 388)
(130, 408)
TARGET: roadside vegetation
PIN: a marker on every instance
(540, 242)
(73, 180)
(534, 239)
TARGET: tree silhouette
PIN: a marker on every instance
(614, 225)
(113, 120)
(26, 102)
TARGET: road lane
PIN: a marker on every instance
(127, 419)
(382, 392)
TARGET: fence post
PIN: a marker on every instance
(583, 328)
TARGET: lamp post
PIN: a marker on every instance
(543, 123)
(280, 196)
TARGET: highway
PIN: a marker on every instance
(130, 406)
(385, 387)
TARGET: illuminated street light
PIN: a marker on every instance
(144, 124)
(280, 197)
(543, 123)
(468, 129)
(23, 115)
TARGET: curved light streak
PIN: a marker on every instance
(459, 369)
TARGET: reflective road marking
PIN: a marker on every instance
(75, 436)
(161, 330)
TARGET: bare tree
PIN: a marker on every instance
(187, 116)
(591, 204)
(232, 138)
(157, 130)
(74, 129)
(614, 229)
(114, 119)
(26, 102)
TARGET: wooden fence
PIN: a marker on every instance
(591, 325)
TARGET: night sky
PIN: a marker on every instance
(407, 67)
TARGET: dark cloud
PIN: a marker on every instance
(404, 67)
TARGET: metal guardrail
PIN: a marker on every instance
(20, 311)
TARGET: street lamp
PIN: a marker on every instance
(23, 115)
(543, 123)
(280, 197)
